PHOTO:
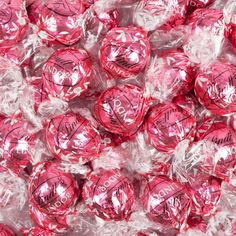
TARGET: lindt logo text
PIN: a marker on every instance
(109, 66)
(165, 191)
(109, 182)
(69, 128)
(226, 139)
(119, 109)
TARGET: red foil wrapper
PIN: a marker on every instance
(206, 192)
(230, 22)
(125, 51)
(17, 143)
(72, 138)
(169, 76)
(109, 194)
(61, 21)
(194, 4)
(13, 23)
(55, 223)
(215, 88)
(225, 137)
(121, 109)
(34, 9)
(52, 191)
(5, 230)
(66, 73)
(151, 14)
(211, 19)
(166, 202)
(167, 125)
(39, 93)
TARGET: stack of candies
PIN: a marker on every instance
(117, 117)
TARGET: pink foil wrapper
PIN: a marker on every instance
(51, 190)
(61, 21)
(67, 72)
(121, 109)
(215, 88)
(125, 51)
(167, 125)
(166, 202)
(109, 194)
(72, 138)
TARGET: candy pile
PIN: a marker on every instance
(117, 117)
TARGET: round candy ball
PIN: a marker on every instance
(66, 73)
(215, 88)
(125, 51)
(51, 190)
(5, 230)
(61, 21)
(206, 192)
(151, 14)
(222, 135)
(166, 201)
(13, 23)
(109, 194)
(17, 143)
(72, 138)
(121, 109)
(169, 76)
(167, 125)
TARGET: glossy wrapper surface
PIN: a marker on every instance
(166, 201)
(71, 138)
(13, 23)
(52, 191)
(215, 88)
(169, 76)
(211, 19)
(225, 138)
(125, 51)
(13, 193)
(17, 143)
(194, 4)
(151, 14)
(55, 223)
(66, 73)
(121, 109)
(5, 230)
(206, 192)
(61, 21)
(167, 125)
(109, 194)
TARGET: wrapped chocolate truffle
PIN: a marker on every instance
(121, 109)
(72, 138)
(215, 88)
(51, 190)
(166, 202)
(13, 23)
(66, 73)
(17, 143)
(125, 51)
(169, 124)
(109, 194)
(61, 21)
